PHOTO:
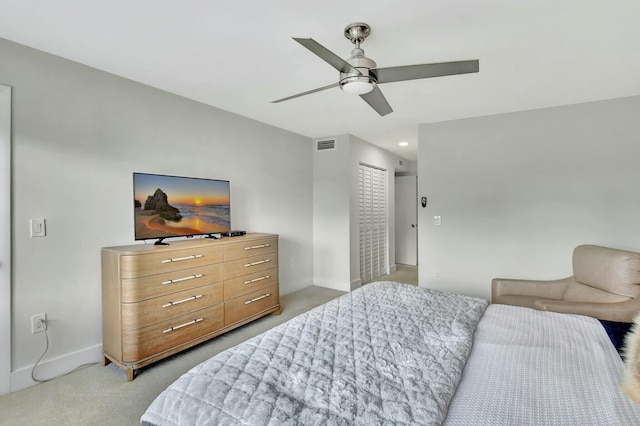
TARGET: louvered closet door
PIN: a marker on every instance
(373, 223)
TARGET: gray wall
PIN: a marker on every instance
(336, 209)
(78, 134)
(331, 215)
(517, 192)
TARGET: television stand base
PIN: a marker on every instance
(160, 243)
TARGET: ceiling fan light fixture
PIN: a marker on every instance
(357, 87)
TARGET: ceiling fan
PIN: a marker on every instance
(359, 75)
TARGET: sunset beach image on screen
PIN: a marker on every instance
(174, 206)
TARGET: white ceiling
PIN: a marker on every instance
(239, 55)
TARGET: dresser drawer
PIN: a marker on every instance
(255, 281)
(150, 311)
(137, 289)
(250, 304)
(249, 265)
(250, 248)
(148, 341)
(140, 265)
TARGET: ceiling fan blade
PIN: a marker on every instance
(377, 101)
(306, 93)
(327, 55)
(413, 72)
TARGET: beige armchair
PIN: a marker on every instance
(605, 285)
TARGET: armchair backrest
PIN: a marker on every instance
(612, 270)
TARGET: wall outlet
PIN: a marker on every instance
(38, 323)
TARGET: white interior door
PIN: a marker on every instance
(5, 239)
(373, 223)
(407, 220)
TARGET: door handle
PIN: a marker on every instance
(413, 225)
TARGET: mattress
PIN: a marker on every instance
(530, 367)
(386, 353)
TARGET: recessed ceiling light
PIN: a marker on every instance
(403, 144)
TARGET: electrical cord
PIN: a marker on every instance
(33, 370)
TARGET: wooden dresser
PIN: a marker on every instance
(159, 300)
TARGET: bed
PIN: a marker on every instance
(391, 353)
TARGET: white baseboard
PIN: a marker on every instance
(47, 369)
(393, 268)
(334, 285)
(338, 285)
(356, 284)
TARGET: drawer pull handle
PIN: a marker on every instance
(178, 259)
(260, 262)
(177, 280)
(257, 279)
(177, 302)
(175, 327)
(257, 247)
(257, 298)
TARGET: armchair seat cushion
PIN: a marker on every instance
(519, 300)
(578, 292)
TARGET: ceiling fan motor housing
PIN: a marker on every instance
(365, 80)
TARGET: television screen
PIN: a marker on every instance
(174, 206)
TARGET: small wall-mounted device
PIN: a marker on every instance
(423, 200)
(38, 227)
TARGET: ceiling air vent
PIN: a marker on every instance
(326, 145)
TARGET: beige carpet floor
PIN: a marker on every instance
(98, 395)
(404, 274)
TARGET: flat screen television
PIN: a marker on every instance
(176, 206)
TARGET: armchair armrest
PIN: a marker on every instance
(614, 311)
(552, 289)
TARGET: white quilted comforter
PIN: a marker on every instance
(385, 353)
